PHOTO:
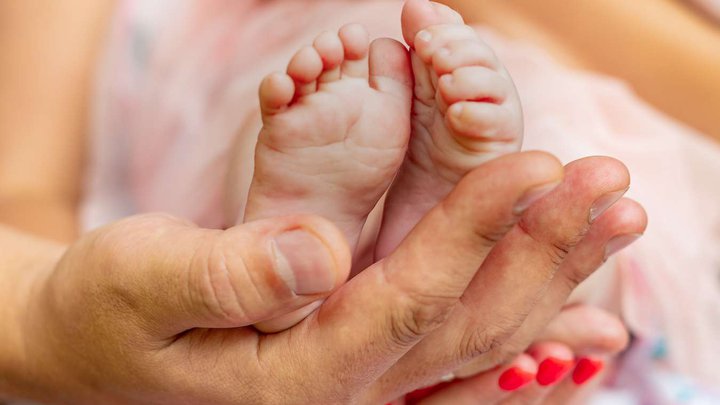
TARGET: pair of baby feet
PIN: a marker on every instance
(351, 116)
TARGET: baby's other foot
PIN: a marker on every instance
(465, 112)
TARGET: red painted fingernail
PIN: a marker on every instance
(552, 369)
(586, 368)
(514, 378)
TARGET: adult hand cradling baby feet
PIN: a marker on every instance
(169, 303)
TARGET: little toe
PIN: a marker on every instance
(462, 53)
(305, 68)
(474, 83)
(276, 93)
(418, 15)
(330, 49)
(475, 123)
(356, 41)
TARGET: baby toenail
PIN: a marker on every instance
(424, 36)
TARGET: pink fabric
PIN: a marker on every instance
(176, 100)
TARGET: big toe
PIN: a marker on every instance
(390, 70)
(418, 15)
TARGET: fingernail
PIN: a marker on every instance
(533, 195)
(514, 378)
(424, 36)
(619, 243)
(586, 369)
(603, 203)
(303, 262)
(551, 370)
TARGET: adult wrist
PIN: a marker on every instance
(25, 262)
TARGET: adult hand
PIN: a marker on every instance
(151, 310)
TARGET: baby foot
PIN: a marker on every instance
(465, 112)
(335, 130)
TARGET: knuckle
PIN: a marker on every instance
(478, 343)
(489, 339)
(489, 236)
(506, 353)
(484, 234)
(572, 275)
(557, 252)
(219, 296)
(556, 246)
(421, 314)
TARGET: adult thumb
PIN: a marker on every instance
(181, 277)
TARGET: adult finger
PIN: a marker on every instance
(178, 277)
(587, 330)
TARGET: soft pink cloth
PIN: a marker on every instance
(176, 104)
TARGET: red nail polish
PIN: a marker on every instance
(551, 370)
(514, 378)
(586, 368)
